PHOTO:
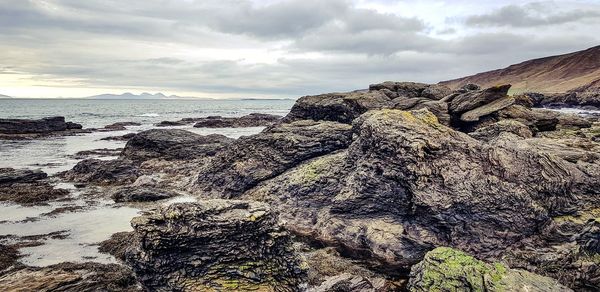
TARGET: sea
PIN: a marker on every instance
(74, 236)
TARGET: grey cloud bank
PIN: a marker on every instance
(283, 48)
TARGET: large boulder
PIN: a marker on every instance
(41, 126)
(103, 172)
(214, 245)
(338, 107)
(446, 269)
(475, 98)
(408, 184)
(141, 194)
(250, 160)
(172, 144)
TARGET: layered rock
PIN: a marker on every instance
(446, 269)
(41, 126)
(103, 172)
(172, 144)
(27, 187)
(253, 159)
(408, 184)
(11, 175)
(214, 245)
(251, 120)
(141, 194)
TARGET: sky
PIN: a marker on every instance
(272, 48)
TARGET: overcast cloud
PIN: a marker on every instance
(287, 48)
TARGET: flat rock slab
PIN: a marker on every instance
(494, 106)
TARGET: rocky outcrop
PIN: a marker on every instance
(172, 144)
(251, 120)
(171, 123)
(407, 184)
(446, 269)
(411, 89)
(71, 277)
(119, 126)
(125, 137)
(26, 187)
(338, 107)
(25, 128)
(214, 245)
(141, 194)
(571, 99)
(252, 159)
(103, 172)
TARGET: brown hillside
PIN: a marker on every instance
(562, 73)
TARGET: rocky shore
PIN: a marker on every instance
(30, 129)
(401, 187)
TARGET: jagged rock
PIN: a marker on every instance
(407, 184)
(572, 99)
(117, 244)
(250, 160)
(172, 144)
(102, 172)
(214, 245)
(468, 87)
(71, 277)
(338, 107)
(103, 152)
(446, 269)
(489, 108)
(438, 108)
(11, 175)
(251, 120)
(141, 194)
(41, 126)
(572, 121)
(436, 92)
(473, 99)
(403, 89)
(503, 127)
(538, 120)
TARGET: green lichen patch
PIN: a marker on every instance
(581, 217)
(315, 169)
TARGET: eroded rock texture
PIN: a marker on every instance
(214, 245)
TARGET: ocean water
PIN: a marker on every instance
(96, 220)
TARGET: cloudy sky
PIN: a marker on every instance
(272, 48)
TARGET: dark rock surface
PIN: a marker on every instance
(172, 144)
(71, 277)
(125, 137)
(11, 175)
(214, 245)
(171, 123)
(141, 194)
(103, 172)
(251, 120)
(119, 126)
(41, 126)
(445, 269)
(252, 159)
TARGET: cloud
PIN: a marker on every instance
(277, 47)
(532, 15)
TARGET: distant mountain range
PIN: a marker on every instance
(129, 95)
(578, 71)
(4, 96)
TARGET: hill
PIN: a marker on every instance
(2, 96)
(578, 71)
(129, 95)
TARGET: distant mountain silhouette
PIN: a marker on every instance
(129, 95)
(4, 96)
(578, 71)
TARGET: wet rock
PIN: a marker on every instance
(71, 277)
(11, 175)
(338, 107)
(252, 159)
(125, 137)
(172, 144)
(103, 152)
(141, 194)
(30, 193)
(117, 244)
(251, 120)
(446, 269)
(120, 126)
(214, 245)
(41, 126)
(103, 172)
(171, 123)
